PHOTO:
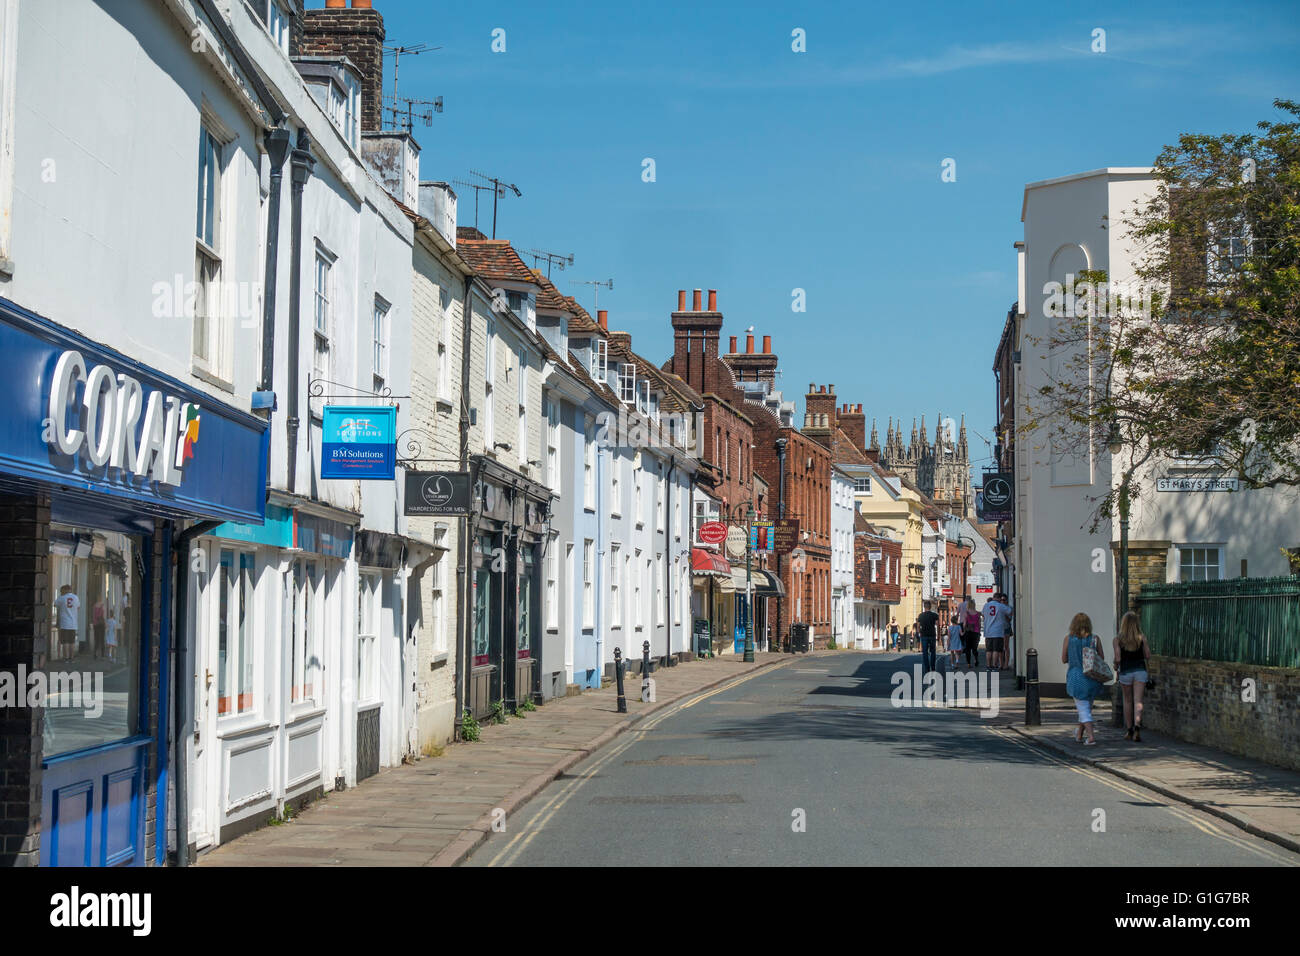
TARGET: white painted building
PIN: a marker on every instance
(1073, 223)
(843, 629)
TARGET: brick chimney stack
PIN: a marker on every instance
(819, 403)
(854, 424)
(358, 34)
(695, 341)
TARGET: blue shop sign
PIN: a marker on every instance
(80, 415)
(359, 442)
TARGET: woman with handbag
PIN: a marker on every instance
(1087, 672)
(1131, 655)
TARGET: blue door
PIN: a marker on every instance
(93, 807)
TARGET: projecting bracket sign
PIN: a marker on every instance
(440, 493)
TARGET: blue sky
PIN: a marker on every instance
(820, 170)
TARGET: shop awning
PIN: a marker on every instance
(709, 562)
(770, 585)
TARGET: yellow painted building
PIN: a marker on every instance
(887, 503)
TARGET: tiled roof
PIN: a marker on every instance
(548, 297)
(494, 259)
(582, 323)
(844, 450)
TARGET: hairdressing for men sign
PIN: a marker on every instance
(444, 493)
(359, 442)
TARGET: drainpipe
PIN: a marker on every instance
(184, 687)
(303, 163)
(277, 147)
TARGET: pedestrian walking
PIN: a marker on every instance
(893, 635)
(927, 624)
(97, 626)
(970, 638)
(997, 621)
(1079, 685)
(110, 636)
(1131, 655)
(68, 608)
(955, 638)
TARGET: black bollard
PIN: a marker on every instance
(1033, 716)
(645, 659)
(618, 676)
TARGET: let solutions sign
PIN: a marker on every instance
(359, 442)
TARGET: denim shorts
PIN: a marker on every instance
(1128, 677)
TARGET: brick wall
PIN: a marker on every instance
(1201, 702)
(24, 588)
(357, 34)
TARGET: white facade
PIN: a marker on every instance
(842, 510)
(1060, 568)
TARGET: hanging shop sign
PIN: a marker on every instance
(359, 442)
(736, 541)
(997, 499)
(443, 493)
(81, 415)
(762, 536)
(786, 535)
(713, 532)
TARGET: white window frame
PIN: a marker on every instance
(638, 499)
(658, 589)
(211, 347)
(444, 324)
(239, 590)
(522, 373)
(588, 466)
(615, 484)
(615, 602)
(636, 592)
(554, 473)
(277, 25)
(1192, 548)
(553, 585)
(489, 387)
(379, 331)
(627, 382)
(588, 584)
(322, 358)
(599, 359)
(438, 600)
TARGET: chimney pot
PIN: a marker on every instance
(749, 345)
(859, 408)
(713, 300)
(335, 4)
(733, 345)
(812, 388)
(696, 307)
(602, 318)
(831, 388)
(767, 345)
(361, 4)
(681, 300)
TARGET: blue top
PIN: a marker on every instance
(1077, 684)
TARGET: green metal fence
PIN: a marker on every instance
(1246, 620)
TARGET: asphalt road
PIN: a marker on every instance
(725, 778)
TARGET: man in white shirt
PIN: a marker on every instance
(68, 608)
(997, 625)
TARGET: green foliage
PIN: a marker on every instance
(498, 713)
(469, 727)
(525, 704)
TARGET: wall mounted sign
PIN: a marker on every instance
(359, 442)
(445, 493)
(875, 555)
(736, 541)
(1198, 484)
(713, 532)
(81, 415)
(998, 498)
(762, 536)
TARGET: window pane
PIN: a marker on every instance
(93, 663)
(245, 632)
(223, 632)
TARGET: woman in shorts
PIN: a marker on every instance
(1131, 655)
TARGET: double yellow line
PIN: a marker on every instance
(517, 844)
(1116, 783)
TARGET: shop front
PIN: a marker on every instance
(509, 529)
(712, 598)
(103, 464)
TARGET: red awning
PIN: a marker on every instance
(709, 562)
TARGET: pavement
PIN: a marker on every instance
(435, 811)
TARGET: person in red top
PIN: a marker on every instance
(970, 635)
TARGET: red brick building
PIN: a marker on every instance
(751, 430)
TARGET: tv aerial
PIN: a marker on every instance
(596, 286)
(498, 187)
(552, 258)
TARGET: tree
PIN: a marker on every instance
(1200, 356)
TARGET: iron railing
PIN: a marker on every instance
(1245, 620)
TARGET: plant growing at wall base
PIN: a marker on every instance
(498, 713)
(469, 728)
(525, 704)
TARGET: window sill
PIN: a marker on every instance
(212, 378)
(440, 659)
(444, 406)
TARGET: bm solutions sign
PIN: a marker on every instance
(359, 442)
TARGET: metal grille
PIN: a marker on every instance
(368, 743)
